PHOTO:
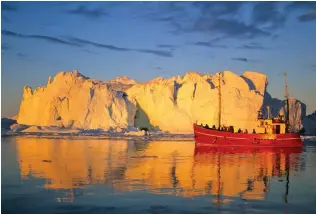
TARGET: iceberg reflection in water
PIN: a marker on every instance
(176, 168)
(96, 176)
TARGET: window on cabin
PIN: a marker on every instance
(278, 129)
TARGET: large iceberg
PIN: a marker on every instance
(71, 100)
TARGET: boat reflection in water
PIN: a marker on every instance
(174, 168)
(246, 171)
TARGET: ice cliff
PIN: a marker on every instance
(172, 105)
(73, 100)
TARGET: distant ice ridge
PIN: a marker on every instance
(73, 101)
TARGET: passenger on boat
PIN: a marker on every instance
(253, 131)
(206, 126)
(214, 127)
(246, 131)
(239, 130)
(231, 129)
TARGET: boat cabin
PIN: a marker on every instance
(269, 125)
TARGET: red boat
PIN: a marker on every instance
(269, 132)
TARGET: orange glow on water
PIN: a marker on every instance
(158, 167)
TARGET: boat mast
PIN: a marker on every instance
(219, 100)
(287, 103)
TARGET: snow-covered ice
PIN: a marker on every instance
(74, 104)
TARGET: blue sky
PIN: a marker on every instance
(144, 40)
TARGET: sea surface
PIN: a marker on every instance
(105, 176)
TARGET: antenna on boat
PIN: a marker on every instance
(268, 108)
(219, 100)
(287, 102)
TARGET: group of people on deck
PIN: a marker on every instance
(227, 129)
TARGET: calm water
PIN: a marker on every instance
(101, 176)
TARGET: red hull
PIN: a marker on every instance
(210, 137)
(200, 150)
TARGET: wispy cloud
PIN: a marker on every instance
(8, 6)
(209, 44)
(4, 18)
(228, 28)
(302, 5)
(252, 46)
(268, 15)
(91, 52)
(5, 46)
(241, 59)
(210, 22)
(39, 37)
(116, 48)
(88, 12)
(77, 42)
(311, 16)
(218, 8)
(166, 46)
(225, 19)
(157, 68)
(307, 7)
(21, 55)
(99, 45)
(155, 52)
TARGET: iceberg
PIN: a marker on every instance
(73, 101)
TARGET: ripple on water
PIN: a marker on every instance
(104, 176)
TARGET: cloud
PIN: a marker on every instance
(228, 28)
(252, 46)
(5, 46)
(222, 18)
(308, 7)
(91, 52)
(241, 59)
(302, 5)
(4, 18)
(155, 52)
(8, 7)
(90, 13)
(76, 42)
(211, 19)
(99, 45)
(116, 48)
(166, 46)
(228, 19)
(20, 55)
(218, 8)
(39, 37)
(158, 68)
(311, 16)
(212, 43)
(268, 15)
(209, 44)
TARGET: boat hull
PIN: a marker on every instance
(211, 137)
